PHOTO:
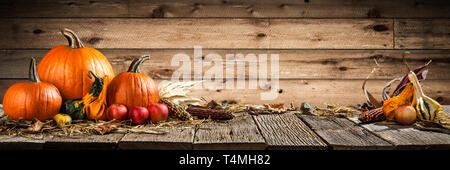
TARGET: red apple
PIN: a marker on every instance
(158, 112)
(405, 115)
(117, 111)
(138, 115)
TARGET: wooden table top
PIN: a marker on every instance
(289, 131)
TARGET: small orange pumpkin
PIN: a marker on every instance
(133, 88)
(67, 66)
(32, 100)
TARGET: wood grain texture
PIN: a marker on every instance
(239, 133)
(20, 143)
(62, 8)
(342, 134)
(226, 8)
(293, 64)
(422, 34)
(208, 33)
(287, 132)
(92, 142)
(406, 137)
(446, 108)
(315, 92)
(175, 139)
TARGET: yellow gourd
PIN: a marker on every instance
(62, 119)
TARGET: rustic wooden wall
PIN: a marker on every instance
(326, 47)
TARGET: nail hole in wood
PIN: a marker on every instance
(343, 68)
(94, 40)
(37, 31)
(158, 12)
(380, 28)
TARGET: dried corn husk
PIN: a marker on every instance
(176, 92)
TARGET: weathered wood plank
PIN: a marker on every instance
(92, 142)
(21, 33)
(175, 139)
(287, 132)
(227, 8)
(406, 137)
(20, 143)
(422, 34)
(293, 64)
(342, 134)
(239, 133)
(446, 108)
(61, 8)
(315, 92)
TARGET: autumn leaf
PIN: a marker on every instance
(36, 126)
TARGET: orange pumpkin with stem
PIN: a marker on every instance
(67, 66)
(28, 101)
(133, 88)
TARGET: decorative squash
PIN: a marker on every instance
(426, 107)
(93, 105)
(32, 100)
(62, 119)
(133, 88)
(406, 97)
(66, 67)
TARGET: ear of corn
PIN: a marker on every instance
(215, 114)
(176, 110)
(373, 115)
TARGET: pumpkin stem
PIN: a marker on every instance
(135, 65)
(74, 41)
(33, 73)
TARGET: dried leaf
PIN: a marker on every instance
(387, 87)
(214, 105)
(275, 106)
(421, 73)
(106, 128)
(36, 126)
(369, 97)
(431, 126)
(336, 110)
(443, 118)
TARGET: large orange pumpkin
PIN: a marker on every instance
(133, 88)
(67, 66)
(32, 100)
